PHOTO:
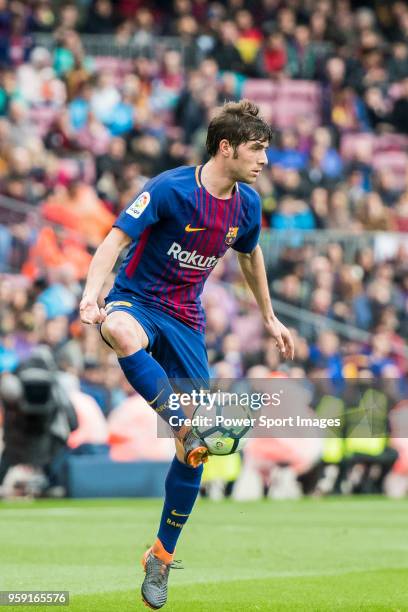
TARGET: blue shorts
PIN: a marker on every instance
(178, 348)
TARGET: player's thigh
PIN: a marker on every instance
(123, 332)
(182, 353)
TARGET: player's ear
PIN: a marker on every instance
(225, 148)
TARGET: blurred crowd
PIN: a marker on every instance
(81, 130)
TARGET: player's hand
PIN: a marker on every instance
(90, 312)
(283, 337)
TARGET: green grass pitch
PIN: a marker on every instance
(330, 554)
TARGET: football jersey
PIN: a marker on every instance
(179, 232)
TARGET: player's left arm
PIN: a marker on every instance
(253, 268)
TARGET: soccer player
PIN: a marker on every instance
(176, 230)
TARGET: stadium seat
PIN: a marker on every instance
(351, 143)
(258, 89)
(394, 161)
(391, 142)
(281, 103)
(384, 144)
(116, 66)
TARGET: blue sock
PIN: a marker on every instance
(182, 487)
(149, 379)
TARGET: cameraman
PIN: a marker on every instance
(38, 416)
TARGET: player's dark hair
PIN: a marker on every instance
(237, 122)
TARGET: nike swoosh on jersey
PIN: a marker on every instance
(174, 513)
(194, 229)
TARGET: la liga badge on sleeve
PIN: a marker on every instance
(139, 205)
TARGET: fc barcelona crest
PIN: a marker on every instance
(231, 235)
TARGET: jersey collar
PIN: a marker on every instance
(198, 171)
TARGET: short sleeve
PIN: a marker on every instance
(147, 208)
(249, 239)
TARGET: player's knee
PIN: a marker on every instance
(121, 334)
(113, 329)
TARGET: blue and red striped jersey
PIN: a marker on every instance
(179, 232)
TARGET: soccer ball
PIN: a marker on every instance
(223, 428)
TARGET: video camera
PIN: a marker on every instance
(38, 414)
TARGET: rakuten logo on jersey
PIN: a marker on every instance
(191, 259)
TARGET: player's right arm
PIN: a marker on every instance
(101, 265)
(146, 209)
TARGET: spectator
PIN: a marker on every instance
(398, 63)
(43, 17)
(377, 108)
(187, 31)
(399, 112)
(20, 127)
(102, 18)
(144, 36)
(69, 17)
(79, 106)
(249, 37)
(306, 54)
(373, 214)
(386, 186)
(105, 98)
(79, 208)
(401, 213)
(68, 51)
(292, 214)
(32, 77)
(276, 57)
(16, 44)
(225, 51)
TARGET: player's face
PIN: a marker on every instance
(248, 161)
